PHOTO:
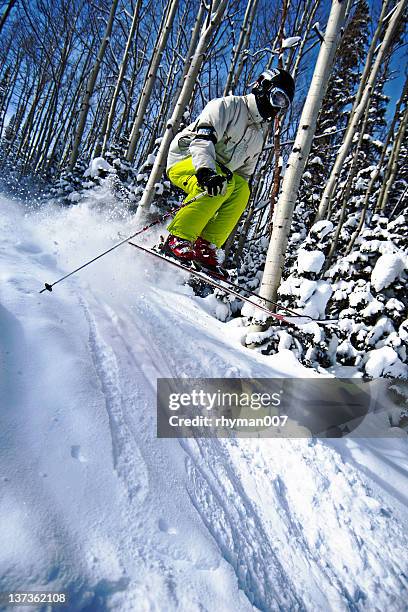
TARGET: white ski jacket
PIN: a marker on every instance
(229, 130)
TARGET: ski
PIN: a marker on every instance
(225, 279)
(204, 274)
(217, 283)
(210, 280)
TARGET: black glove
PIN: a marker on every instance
(212, 182)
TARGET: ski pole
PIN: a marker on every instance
(49, 286)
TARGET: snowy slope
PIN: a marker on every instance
(93, 504)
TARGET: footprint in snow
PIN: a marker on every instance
(28, 247)
(76, 453)
(165, 527)
(232, 372)
(20, 283)
(44, 259)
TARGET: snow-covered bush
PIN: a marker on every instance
(365, 293)
(125, 182)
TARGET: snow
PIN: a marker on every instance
(396, 223)
(385, 362)
(302, 288)
(386, 270)
(218, 309)
(313, 295)
(360, 184)
(330, 130)
(383, 325)
(360, 296)
(315, 306)
(346, 349)
(374, 246)
(285, 341)
(374, 307)
(74, 197)
(322, 228)
(403, 331)
(310, 261)
(291, 41)
(97, 164)
(94, 504)
(250, 311)
(394, 304)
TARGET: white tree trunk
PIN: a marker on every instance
(370, 55)
(290, 185)
(90, 86)
(392, 165)
(195, 35)
(358, 111)
(150, 79)
(304, 31)
(376, 172)
(121, 75)
(234, 72)
(173, 123)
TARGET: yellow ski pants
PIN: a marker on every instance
(211, 217)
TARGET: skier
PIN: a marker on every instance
(218, 154)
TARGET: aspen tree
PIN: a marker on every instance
(167, 86)
(392, 166)
(9, 83)
(150, 79)
(195, 35)
(112, 109)
(277, 124)
(290, 185)
(210, 26)
(69, 119)
(346, 192)
(238, 59)
(363, 99)
(306, 25)
(66, 109)
(375, 174)
(139, 55)
(90, 86)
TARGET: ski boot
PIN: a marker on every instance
(206, 256)
(178, 248)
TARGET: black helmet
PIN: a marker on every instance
(274, 91)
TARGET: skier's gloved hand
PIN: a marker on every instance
(215, 184)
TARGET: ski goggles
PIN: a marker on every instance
(279, 99)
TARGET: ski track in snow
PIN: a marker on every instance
(251, 505)
(168, 524)
(123, 443)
